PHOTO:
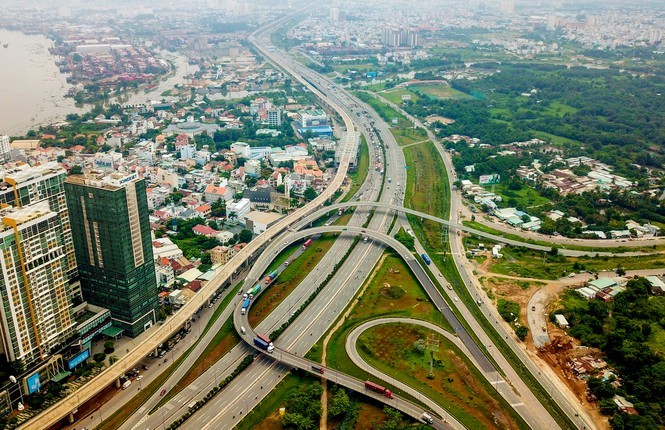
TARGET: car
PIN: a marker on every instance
(161, 393)
(144, 367)
(138, 378)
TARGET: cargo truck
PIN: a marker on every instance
(264, 343)
(379, 389)
(271, 277)
(318, 369)
(307, 243)
(245, 306)
(268, 347)
(254, 291)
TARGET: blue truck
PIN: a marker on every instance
(268, 347)
(245, 306)
(426, 258)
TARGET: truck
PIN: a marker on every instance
(306, 244)
(254, 291)
(427, 418)
(245, 306)
(271, 277)
(268, 347)
(426, 258)
(372, 386)
(318, 369)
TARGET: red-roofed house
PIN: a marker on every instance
(213, 193)
(195, 285)
(204, 210)
(181, 140)
(204, 230)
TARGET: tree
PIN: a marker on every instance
(245, 236)
(340, 403)
(405, 239)
(109, 347)
(76, 170)
(521, 332)
(309, 194)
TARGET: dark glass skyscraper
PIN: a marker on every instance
(109, 219)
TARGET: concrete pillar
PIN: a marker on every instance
(117, 383)
(70, 418)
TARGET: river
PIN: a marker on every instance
(32, 89)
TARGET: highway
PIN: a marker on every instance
(535, 415)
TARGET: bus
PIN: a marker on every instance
(426, 258)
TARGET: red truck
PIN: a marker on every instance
(307, 243)
(378, 389)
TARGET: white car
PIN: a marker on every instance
(138, 378)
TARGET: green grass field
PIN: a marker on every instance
(532, 264)
(426, 190)
(442, 92)
(455, 383)
(395, 95)
(523, 199)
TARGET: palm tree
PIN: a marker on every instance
(232, 216)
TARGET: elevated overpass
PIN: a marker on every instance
(485, 366)
(453, 226)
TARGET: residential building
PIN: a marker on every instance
(109, 218)
(35, 290)
(236, 211)
(274, 117)
(4, 148)
(221, 254)
(36, 242)
(213, 193)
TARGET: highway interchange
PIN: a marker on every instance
(232, 404)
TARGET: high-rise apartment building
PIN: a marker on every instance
(38, 275)
(109, 217)
(274, 117)
(4, 148)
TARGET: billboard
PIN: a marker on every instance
(489, 179)
(33, 383)
(84, 355)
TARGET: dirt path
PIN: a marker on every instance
(323, 424)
